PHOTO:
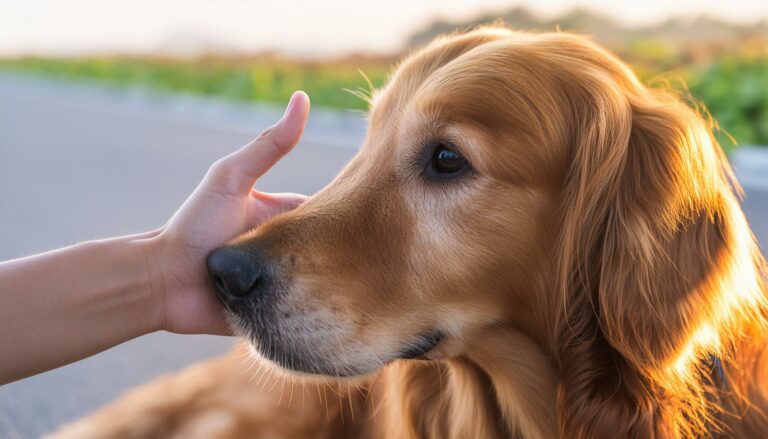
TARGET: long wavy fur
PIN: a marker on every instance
(660, 323)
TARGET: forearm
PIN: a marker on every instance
(62, 306)
(67, 304)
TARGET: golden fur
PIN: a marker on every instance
(585, 273)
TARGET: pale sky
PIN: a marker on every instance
(293, 27)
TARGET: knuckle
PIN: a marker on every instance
(267, 133)
(219, 168)
(268, 139)
(222, 171)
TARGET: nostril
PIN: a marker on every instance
(218, 283)
(234, 273)
(256, 283)
(241, 284)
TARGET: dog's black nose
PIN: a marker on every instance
(235, 274)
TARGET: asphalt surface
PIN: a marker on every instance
(80, 162)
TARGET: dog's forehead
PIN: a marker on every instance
(414, 70)
(500, 135)
(486, 96)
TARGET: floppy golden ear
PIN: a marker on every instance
(650, 248)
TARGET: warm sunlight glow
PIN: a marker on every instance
(736, 293)
(298, 27)
(704, 339)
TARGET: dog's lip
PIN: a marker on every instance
(426, 342)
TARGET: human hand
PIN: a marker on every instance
(224, 205)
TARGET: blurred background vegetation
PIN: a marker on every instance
(722, 65)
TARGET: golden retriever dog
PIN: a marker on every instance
(530, 243)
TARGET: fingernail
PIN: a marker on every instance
(291, 104)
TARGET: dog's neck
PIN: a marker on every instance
(525, 387)
(493, 392)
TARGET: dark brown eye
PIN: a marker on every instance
(447, 161)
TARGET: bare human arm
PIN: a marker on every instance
(67, 304)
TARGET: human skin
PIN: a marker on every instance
(62, 306)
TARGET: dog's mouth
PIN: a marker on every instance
(303, 362)
(419, 349)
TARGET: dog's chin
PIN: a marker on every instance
(303, 364)
(313, 365)
(300, 362)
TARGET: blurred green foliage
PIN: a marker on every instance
(731, 88)
(731, 84)
(269, 80)
(735, 91)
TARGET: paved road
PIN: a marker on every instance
(80, 163)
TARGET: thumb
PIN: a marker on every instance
(287, 132)
(250, 162)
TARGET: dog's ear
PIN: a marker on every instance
(649, 252)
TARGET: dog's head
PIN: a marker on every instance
(435, 228)
(507, 179)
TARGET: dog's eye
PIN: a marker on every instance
(447, 161)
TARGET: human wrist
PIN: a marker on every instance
(148, 249)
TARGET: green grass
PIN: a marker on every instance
(734, 90)
(269, 81)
